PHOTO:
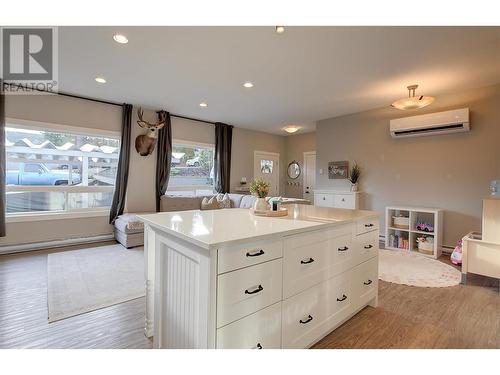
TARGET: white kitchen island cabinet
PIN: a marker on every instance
(229, 279)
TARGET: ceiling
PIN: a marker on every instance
(301, 76)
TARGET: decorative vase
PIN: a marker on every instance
(261, 204)
(354, 187)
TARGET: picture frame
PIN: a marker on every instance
(338, 170)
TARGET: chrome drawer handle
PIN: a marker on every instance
(367, 282)
(344, 297)
(368, 246)
(310, 260)
(257, 290)
(258, 346)
(369, 225)
(345, 248)
(258, 253)
(309, 318)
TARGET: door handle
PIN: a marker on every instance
(310, 260)
(255, 254)
(309, 318)
(258, 346)
(344, 297)
(367, 282)
(368, 246)
(369, 225)
(256, 290)
(345, 248)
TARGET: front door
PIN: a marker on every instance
(309, 174)
(266, 165)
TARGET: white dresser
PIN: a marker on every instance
(336, 199)
(272, 283)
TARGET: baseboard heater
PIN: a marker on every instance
(9, 249)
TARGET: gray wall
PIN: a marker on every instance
(295, 146)
(452, 172)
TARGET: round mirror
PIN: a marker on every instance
(293, 170)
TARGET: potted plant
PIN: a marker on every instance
(260, 188)
(354, 176)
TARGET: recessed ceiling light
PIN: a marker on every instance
(291, 128)
(203, 104)
(120, 38)
(280, 29)
(100, 80)
(413, 101)
(248, 85)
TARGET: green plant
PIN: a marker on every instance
(355, 173)
(259, 187)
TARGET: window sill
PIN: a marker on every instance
(20, 218)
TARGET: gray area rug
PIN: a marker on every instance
(84, 280)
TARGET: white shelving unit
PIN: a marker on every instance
(409, 234)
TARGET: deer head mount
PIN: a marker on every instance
(145, 143)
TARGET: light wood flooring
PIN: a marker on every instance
(407, 317)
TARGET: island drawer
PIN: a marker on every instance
(245, 291)
(367, 225)
(366, 246)
(261, 330)
(240, 256)
(309, 315)
(365, 278)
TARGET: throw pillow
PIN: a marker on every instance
(210, 204)
(224, 201)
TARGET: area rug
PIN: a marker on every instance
(84, 280)
(403, 267)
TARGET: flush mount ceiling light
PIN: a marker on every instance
(291, 128)
(248, 85)
(100, 80)
(120, 38)
(203, 104)
(412, 101)
(280, 29)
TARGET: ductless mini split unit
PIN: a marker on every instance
(454, 121)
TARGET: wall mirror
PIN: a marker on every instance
(293, 170)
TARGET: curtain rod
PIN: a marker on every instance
(60, 93)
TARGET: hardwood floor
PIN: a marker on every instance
(23, 313)
(407, 317)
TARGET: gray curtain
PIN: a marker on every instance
(163, 158)
(222, 159)
(2, 160)
(123, 164)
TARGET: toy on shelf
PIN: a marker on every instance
(425, 227)
(456, 255)
(425, 244)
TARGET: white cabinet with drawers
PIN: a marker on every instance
(283, 291)
(336, 199)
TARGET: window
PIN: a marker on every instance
(53, 171)
(192, 171)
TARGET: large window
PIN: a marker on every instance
(192, 171)
(55, 171)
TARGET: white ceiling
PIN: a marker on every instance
(301, 76)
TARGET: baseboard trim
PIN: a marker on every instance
(9, 249)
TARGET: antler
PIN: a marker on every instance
(146, 124)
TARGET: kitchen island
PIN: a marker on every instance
(229, 279)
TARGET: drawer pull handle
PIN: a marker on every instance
(368, 246)
(369, 225)
(310, 260)
(345, 248)
(257, 290)
(309, 318)
(367, 282)
(344, 297)
(259, 346)
(258, 253)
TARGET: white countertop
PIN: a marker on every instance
(215, 228)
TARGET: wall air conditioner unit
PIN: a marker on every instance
(454, 121)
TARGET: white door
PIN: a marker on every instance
(266, 165)
(309, 174)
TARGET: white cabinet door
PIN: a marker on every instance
(241, 256)
(323, 200)
(365, 280)
(243, 292)
(366, 246)
(344, 201)
(261, 330)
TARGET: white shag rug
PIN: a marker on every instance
(403, 267)
(84, 280)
